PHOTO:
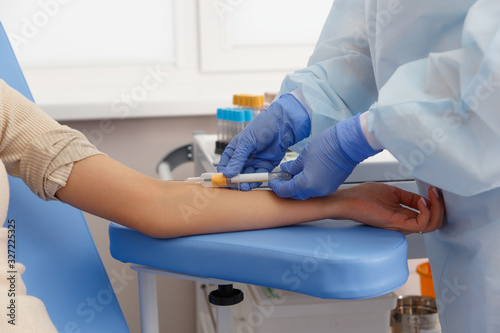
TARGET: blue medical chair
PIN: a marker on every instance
(325, 259)
(63, 267)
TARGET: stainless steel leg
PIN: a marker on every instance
(148, 301)
(224, 319)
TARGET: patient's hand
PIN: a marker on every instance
(379, 205)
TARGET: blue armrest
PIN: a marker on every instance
(327, 259)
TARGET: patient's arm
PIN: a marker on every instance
(104, 187)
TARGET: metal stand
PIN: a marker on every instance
(148, 302)
(173, 159)
(224, 297)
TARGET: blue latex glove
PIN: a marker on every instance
(263, 144)
(325, 162)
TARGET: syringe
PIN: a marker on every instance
(212, 179)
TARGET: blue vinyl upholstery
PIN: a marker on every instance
(327, 259)
(63, 267)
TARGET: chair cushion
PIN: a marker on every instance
(327, 259)
(63, 267)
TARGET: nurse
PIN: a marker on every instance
(421, 79)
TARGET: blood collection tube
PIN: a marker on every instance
(212, 179)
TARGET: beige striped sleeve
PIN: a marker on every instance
(35, 147)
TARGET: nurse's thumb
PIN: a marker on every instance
(289, 188)
(292, 167)
(235, 164)
(282, 188)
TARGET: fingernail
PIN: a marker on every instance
(423, 201)
(436, 192)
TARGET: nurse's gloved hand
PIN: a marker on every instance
(263, 144)
(325, 162)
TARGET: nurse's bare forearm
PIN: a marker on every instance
(107, 188)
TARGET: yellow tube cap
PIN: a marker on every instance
(256, 101)
(219, 180)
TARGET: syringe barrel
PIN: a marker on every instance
(212, 179)
(280, 176)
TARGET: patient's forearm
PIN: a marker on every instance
(104, 187)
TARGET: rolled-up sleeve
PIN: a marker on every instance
(36, 148)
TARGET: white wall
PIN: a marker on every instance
(141, 144)
(79, 57)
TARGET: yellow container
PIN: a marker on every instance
(236, 99)
(256, 101)
(426, 286)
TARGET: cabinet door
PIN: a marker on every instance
(238, 35)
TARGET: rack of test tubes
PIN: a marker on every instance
(250, 102)
(231, 121)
